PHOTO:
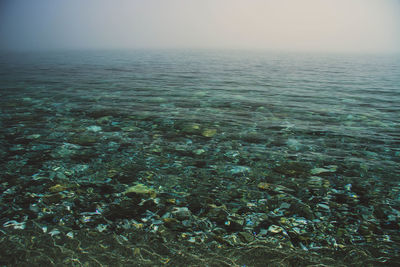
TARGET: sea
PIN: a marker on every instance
(199, 158)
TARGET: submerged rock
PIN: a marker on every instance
(209, 132)
(94, 128)
(84, 139)
(240, 170)
(275, 229)
(191, 128)
(181, 213)
(140, 189)
(217, 214)
(58, 188)
(331, 168)
(246, 237)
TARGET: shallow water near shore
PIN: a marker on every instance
(200, 158)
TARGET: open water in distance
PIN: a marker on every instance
(214, 126)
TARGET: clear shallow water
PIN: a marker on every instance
(333, 105)
(214, 125)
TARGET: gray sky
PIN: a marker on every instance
(285, 25)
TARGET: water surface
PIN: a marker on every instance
(268, 139)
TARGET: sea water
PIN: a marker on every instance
(272, 139)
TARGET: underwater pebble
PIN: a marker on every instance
(246, 237)
(199, 151)
(319, 170)
(140, 189)
(331, 168)
(54, 232)
(94, 128)
(181, 213)
(275, 229)
(14, 224)
(57, 188)
(240, 169)
(209, 132)
(324, 206)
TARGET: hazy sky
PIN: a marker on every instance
(306, 25)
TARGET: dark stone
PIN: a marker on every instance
(243, 210)
(84, 156)
(380, 211)
(173, 224)
(246, 237)
(391, 225)
(149, 204)
(302, 210)
(233, 226)
(218, 215)
(293, 169)
(129, 208)
(198, 204)
(48, 218)
(107, 189)
(200, 163)
(53, 198)
(265, 224)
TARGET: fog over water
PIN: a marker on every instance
(286, 25)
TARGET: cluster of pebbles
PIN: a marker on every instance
(71, 174)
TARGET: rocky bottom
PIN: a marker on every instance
(96, 176)
(112, 224)
(141, 248)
